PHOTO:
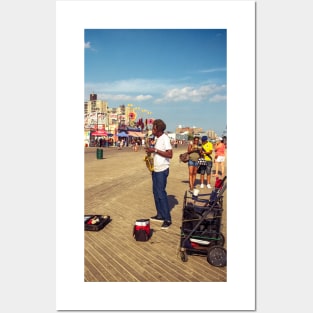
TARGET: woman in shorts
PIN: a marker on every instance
(194, 150)
(219, 157)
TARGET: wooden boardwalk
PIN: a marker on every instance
(120, 185)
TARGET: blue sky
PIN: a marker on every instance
(179, 75)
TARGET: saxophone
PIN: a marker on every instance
(149, 158)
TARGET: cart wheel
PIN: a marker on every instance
(183, 256)
(219, 242)
(217, 256)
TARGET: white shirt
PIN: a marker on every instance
(161, 163)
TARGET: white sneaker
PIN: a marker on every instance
(201, 186)
(209, 186)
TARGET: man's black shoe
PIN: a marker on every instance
(166, 224)
(156, 218)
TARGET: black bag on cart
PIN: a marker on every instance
(96, 222)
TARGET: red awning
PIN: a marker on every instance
(99, 133)
(136, 134)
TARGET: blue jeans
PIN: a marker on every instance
(159, 180)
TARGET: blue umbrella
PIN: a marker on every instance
(122, 134)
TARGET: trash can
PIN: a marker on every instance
(99, 153)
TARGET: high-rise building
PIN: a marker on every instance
(96, 106)
(93, 97)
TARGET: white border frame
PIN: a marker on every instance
(238, 17)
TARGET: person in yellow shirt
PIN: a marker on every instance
(207, 149)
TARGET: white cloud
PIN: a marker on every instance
(191, 94)
(217, 98)
(124, 98)
(108, 97)
(212, 70)
(162, 91)
(143, 97)
(87, 45)
(137, 86)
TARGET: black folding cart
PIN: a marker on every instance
(201, 225)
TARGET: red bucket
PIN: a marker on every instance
(143, 224)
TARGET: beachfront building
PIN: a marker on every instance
(102, 121)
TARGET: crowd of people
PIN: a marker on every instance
(203, 155)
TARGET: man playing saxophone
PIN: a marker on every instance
(162, 153)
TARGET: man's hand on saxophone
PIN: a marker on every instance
(165, 154)
(150, 150)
